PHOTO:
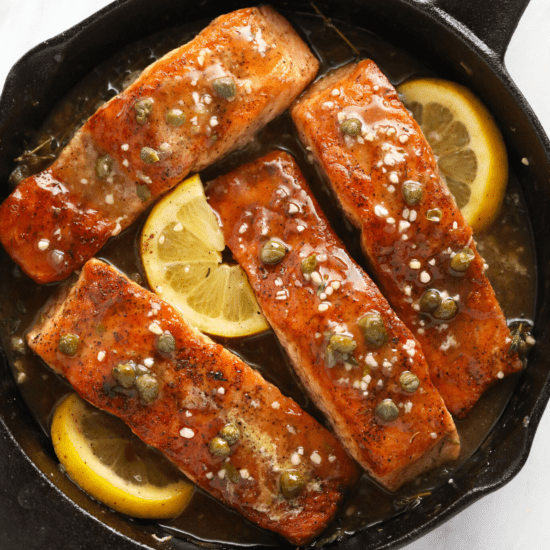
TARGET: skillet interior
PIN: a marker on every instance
(50, 70)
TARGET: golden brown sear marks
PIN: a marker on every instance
(127, 352)
(184, 112)
(361, 365)
(421, 251)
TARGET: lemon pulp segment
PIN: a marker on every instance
(467, 143)
(181, 246)
(105, 459)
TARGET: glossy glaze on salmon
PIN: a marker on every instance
(314, 312)
(184, 112)
(203, 387)
(410, 246)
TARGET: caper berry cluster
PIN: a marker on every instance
(432, 303)
(227, 436)
(130, 375)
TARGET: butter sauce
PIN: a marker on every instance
(506, 246)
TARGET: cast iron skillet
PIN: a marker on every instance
(466, 41)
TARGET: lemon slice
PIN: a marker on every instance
(468, 145)
(181, 248)
(105, 459)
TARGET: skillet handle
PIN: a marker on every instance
(492, 21)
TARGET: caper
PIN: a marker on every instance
(387, 410)
(231, 473)
(412, 192)
(68, 344)
(148, 155)
(374, 329)
(175, 117)
(231, 433)
(143, 109)
(309, 264)
(409, 381)
(272, 252)
(434, 215)
(124, 374)
(166, 343)
(463, 259)
(147, 387)
(430, 301)
(447, 310)
(104, 167)
(351, 127)
(143, 192)
(342, 343)
(225, 87)
(291, 483)
(219, 447)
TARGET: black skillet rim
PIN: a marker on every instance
(29, 92)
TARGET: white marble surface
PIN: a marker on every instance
(516, 517)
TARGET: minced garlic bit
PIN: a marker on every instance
(394, 178)
(331, 458)
(148, 362)
(109, 199)
(43, 244)
(209, 475)
(380, 211)
(101, 356)
(415, 264)
(84, 181)
(315, 457)
(178, 227)
(155, 328)
(295, 459)
(425, 277)
(221, 391)
(500, 375)
(323, 307)
(244, 473)
(275, 405)
(433, 435)
(188, 433)
(125, 147)
(300, 228)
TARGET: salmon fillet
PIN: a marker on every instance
(388, 184)
(203, 387)
(184, 112)
(314, 312)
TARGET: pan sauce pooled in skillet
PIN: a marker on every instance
(360, 364)
(182, 113)
(506, 246)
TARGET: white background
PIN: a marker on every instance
(517, 517)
